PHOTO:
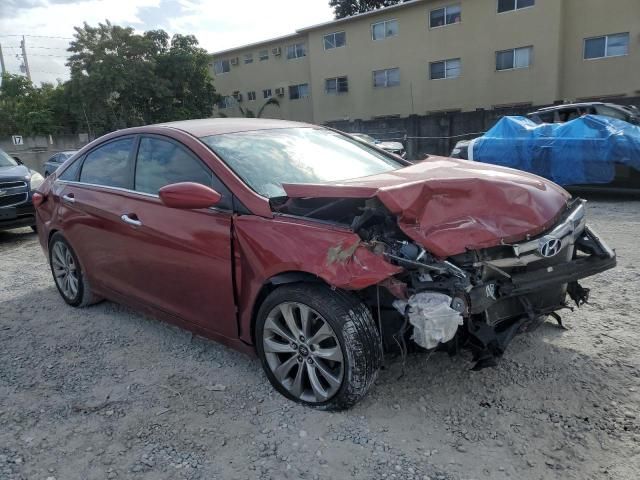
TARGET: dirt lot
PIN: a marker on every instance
(107, 393)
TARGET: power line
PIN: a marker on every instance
(38, 36)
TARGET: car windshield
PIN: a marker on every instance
(6, 160)
(266, 159)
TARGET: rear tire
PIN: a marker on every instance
(68, 275)
(319, 347)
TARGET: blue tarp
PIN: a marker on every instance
(582, 151)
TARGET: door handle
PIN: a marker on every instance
(131, 221)
(69, 198)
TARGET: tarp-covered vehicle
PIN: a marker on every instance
(590, 150)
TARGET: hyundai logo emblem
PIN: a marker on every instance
(550, 248)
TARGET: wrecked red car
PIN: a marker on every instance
(312, 249)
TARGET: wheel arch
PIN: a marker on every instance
(284, 278)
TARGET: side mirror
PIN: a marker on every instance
(18, 160)
(188, 196)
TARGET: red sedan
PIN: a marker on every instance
(312, 248)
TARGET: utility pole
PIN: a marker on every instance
(23, 45)
(2, 69)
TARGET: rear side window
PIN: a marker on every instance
(109, 165)
(161, 163)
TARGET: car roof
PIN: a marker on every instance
(573, 105)
(217, 126)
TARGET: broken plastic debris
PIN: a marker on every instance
(433, 319)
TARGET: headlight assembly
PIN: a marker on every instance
(36, 180)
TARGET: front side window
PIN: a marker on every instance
(248, 58)
(386, 78)
(445, 16)
(612, 112)
(109, 165)
(386, 29)
(161, 163)
(514, 59)
(606, 46)
(298, 91)
(298, 50)
(335, 86)
(266, 93)
(221, 66)
(263, 55)
(511, 5)
(265, 159)
(335, 40)
(445, 69)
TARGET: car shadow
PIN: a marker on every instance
(17, 235)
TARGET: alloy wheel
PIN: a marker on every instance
(65, 270)
(303, 352)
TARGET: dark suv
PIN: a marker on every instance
(571, 111)
(17, 182)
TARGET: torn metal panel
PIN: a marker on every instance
(450, 206)
(268, 247)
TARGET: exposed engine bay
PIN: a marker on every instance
(479, 299)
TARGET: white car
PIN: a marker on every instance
(397, 148)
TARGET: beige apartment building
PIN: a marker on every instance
(427, 56)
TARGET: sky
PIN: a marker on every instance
(218, 24)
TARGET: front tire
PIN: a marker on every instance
(318, 346)
(68, 275)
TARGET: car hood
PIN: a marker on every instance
(390, 146)
(14, 172)
(450, 206)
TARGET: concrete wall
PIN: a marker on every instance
(37, 150)
(437, 133)
(556, 30)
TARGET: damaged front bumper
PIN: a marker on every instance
(507, 289)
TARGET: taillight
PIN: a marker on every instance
(38, 199)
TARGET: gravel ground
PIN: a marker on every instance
(107, 393)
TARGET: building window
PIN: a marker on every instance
(445, 69)
(515, 58)
(266, 93)
(386, 78)
(251, 96)
(298, 50)
(445, 16)
(607, 46)
(221, 66)
(298, 91)
(263, 55)
(335, 40)
(248, 58)
(511, 5)
(382, 30)
(225, 102)
(335, 86)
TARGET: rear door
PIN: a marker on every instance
(90, 196)
(179, 260)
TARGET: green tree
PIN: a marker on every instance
(347, 8)
(26, 109)
(122, 79)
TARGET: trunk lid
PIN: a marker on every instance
(449, 206)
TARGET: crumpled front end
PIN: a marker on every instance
(487, 296)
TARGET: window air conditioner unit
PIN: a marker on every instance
(280, 92)
(234, 61)
(276, 51)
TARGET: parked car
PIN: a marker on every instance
(571, 111)
(588, 153)
(17, 182)
(397, 148)
(311, 249)
(56, 160)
